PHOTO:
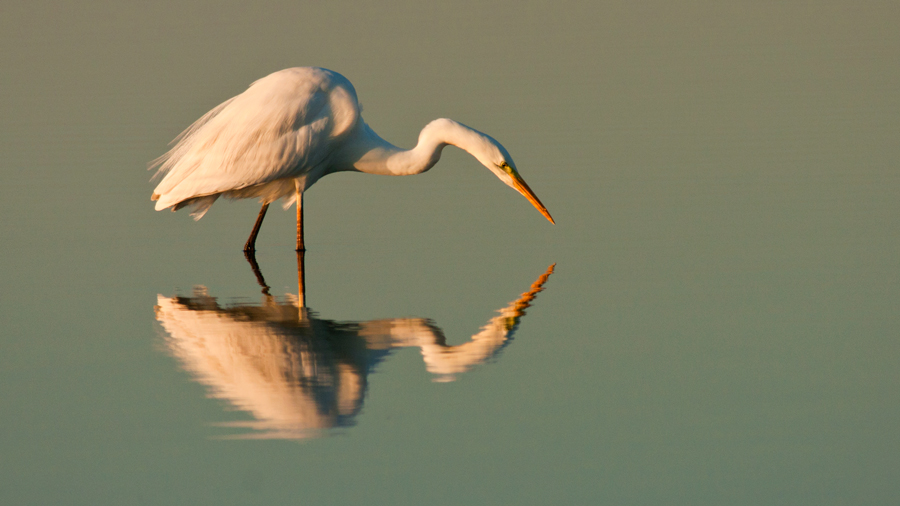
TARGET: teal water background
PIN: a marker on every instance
(721, 326)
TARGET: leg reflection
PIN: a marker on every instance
(251, 258)
(301, 278)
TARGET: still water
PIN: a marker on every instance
(713, 319)
(298, 373)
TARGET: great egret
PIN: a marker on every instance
(289, 129)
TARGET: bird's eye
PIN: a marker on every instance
(506, 168)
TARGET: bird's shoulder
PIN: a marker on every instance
(303, 95)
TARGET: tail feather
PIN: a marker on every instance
(183, 142)
(199, 205)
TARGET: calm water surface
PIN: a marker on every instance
(719, 326)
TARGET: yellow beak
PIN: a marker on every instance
(521, 187)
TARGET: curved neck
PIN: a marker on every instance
(367, 152)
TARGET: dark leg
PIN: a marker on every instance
(301, 278)
(251, 258)
(251, 242)
(300, 246)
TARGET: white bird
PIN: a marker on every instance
(289, 129)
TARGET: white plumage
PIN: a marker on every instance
(284, 126)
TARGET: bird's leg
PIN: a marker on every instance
(300, 246)
(251, 241)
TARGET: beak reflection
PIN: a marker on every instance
(298, 374)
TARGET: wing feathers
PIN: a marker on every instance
(283, 126)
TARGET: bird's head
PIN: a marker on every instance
(484, 148)
(501, 164)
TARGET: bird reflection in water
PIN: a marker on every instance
(298, 374)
